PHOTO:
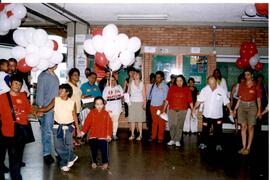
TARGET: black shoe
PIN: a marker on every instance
(48, 159)
(5, 169)
(22, 164)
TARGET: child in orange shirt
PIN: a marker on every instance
(99, 123)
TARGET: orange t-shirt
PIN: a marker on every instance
(179, 98)
(99, 124)
(21, 107)
(249, 94)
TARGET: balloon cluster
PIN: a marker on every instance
(35, 50)
(249, 57)
(260, 9)
(11, 16)
(112, 49)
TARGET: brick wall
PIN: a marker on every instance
(194, 36)
(198, 36)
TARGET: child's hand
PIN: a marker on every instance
(80, 133)
(109, 138)
(39, 114)
(34, 110)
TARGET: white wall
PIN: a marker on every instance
(5, 52)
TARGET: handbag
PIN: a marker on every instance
(23, 133)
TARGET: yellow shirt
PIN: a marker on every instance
(76, 96)
(63, 110)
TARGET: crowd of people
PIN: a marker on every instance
(59, 108)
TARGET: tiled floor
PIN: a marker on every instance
(141, 160)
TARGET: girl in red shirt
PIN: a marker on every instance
(249, 108)
(179, 99)
(99, 123)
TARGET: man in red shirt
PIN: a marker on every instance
(8, 140)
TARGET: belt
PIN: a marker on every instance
(248, 103)
(114, 99)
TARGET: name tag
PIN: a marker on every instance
(251, 91)
(218, 97)
(88, 90)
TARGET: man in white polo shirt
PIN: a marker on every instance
(214, 97)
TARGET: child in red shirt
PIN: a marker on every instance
(99, 123)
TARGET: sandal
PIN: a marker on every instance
(139, 138)
(94, 165)
(131, 137)
(246, 152)
(241, 151)
(105, 166)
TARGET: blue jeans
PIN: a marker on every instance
(64, 146)
(46, 132)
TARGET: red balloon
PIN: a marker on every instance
(243, 52)
(239, 63)
(23, 67)
(245, 62)
(9, 13)
(2, 6)
(101, 59)
(55, 45)
(97, 31)
(262, 9)
(259, 66)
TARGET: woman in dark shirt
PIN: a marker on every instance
(191, 123)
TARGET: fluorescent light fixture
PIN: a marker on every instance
(255, 18)
(142, 17)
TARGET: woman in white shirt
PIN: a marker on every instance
(137, 105)
(220, 80)
(113, 94)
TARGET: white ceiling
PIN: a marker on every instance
(223, 14)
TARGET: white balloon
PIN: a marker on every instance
(89, 47)
(115, 65)
(18, 52)
(5, 23)
(3, 33)
(43, 64)
(49, 44)
(131, 62)
(45, 52)
(19, 38)
(32, 48)
(122, 42)
(50, 64)
(253, 61)
(34, 69)
(32, 59)
(56, 58)
(110, 49)
(98, 43)
(134, 44)
(19, 11)
(29, 34)
(250, 10)
(126, 57)
(40, 37)
(15, 22)
(110, 31)
(9, 7)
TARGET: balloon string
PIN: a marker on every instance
(110, 80)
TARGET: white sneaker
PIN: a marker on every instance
(171, 143)
(65, 168)
(202, 146)
(177, 144)
(71, 163)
